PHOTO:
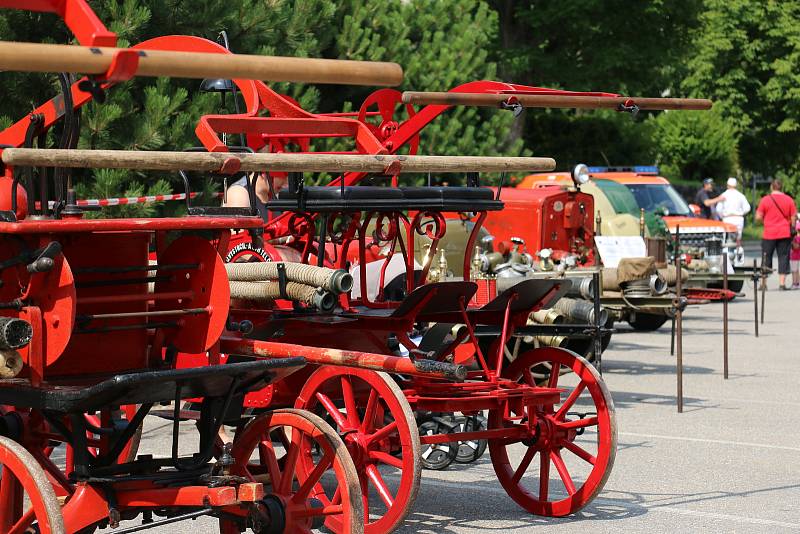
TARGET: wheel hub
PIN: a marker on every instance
(356, 444)
(268, 516)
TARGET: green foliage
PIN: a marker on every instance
(440, 45)
(634, 48)
(595, 138)
(591, 45)
(746, 58)
(693, 145)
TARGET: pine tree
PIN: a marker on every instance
(440, 45)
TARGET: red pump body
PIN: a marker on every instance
(546, 217)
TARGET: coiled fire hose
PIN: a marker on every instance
(336, 281)
(670, 274)
(580, 310)
(269, 291)
(581, 287)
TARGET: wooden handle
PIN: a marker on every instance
(33, 57)
(553, 101)
(306, 162)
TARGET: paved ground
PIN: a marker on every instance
(729, 463)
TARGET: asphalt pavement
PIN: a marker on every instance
(728, 463)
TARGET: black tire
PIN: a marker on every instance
(736, 285)
(647, 322)
(439, 456)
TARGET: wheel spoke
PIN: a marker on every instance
(579, 452)
(563, 472)
(579, 423)
(325, 462)
(289, 462)
(266, 452)
(524, 464)
(528, 377)
(383, 433)
(349, 397)
(544, 476)
(368, 424)
(21, 526)
(555, 371)
(377, 481)
(8, 498)
(387, 459)
(562, 412)
(334, 412)
(52, 470)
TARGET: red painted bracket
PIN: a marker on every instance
(123, 67)
(393, 169)
(231, 165)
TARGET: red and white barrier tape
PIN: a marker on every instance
(121, 201)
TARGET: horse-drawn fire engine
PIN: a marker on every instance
(306, 373)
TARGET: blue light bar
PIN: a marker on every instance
(641, 169)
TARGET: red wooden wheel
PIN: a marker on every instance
(267, 451)
(577, 437)
(27, 500)
(375, 420)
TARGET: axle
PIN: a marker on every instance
(347, 358)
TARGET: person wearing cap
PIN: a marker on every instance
(704, 200)
(732, 206)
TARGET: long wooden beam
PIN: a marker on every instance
(292, 162)
(34, 57)
(553, 101)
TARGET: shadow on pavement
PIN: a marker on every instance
(629, 399)
(634, 368)
(424, 521)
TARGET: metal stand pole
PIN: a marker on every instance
(763, 292)
(756, 281)
(672, 338)
(598, 345)
(725, 316)
(679, 318)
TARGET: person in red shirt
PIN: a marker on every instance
(777, 210)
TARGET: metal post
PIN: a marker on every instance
(725, 316)
(756, 281)
(679, 318)
(598, 346)
(763, 290)
(672, 338)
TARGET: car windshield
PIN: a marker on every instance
(659, 198)
(619, 196)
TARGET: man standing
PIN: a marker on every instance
(704, 200)
(733, 207)
(777, 211)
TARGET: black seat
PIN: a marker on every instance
(376, 198)
(333, 198)
(439, 198)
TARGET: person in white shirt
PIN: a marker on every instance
(733, 207)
